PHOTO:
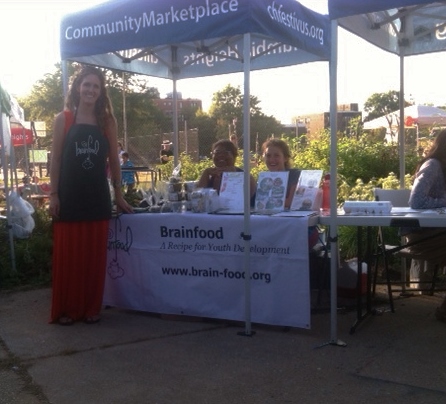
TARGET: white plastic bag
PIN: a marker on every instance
(22, 222)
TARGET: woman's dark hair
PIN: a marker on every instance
(227, 145)
(103, 107)
(282, 145)
(437, 151)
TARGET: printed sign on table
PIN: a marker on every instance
(271, 191)
(192, 264)
(231, 191)
(307, 195)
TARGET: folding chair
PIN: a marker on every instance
(398, 198)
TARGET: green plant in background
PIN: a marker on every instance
(361, 191)
(392, 182)
(32, 255)
(357, 158)
(191, 170)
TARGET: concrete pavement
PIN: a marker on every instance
(132, 357)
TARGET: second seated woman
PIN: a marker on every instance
(277, 156)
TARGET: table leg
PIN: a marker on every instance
(360, 313)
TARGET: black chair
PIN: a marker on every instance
(398, 198)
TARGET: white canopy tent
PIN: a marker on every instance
(402, 27)
(421, 115)
(175, 39)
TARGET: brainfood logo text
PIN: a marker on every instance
(195, 232)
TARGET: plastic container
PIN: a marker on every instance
(348, 279)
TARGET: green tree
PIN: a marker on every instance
(46, 99)
(382, 104)
(206, 131)
(227, 110)
(142, 115)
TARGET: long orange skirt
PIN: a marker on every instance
(78, 272)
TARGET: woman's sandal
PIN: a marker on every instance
(93, 319)
(65, 321)
(440, 314)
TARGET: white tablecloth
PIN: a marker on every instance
(192, 264)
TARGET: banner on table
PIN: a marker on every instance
(192, 264)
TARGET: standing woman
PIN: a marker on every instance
(85, 139)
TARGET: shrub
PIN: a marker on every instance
(32, 255)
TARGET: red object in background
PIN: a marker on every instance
(409, 121)
(21, 136)
(45, 187)
(326, 193)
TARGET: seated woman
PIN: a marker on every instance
(224, 154)
(429, 192)
(277, 156)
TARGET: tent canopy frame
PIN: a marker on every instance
(251, 35)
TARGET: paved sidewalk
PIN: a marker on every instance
(136, 358)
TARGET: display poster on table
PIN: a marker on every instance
(308, 195)
(193, 264)
(231, 191)
(271, 191)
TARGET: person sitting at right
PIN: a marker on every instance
(429, 192)
(224, 154)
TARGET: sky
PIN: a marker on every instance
(29, 35)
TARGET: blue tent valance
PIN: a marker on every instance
(402, 27)
(344, 8)
(194, 38)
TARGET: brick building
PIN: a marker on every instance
(315, 123)
(184, 106)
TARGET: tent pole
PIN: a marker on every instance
(14, 180)
(64, 67)
(27, 168)
(175, 123)
(333, 237)
(401, 127)
(174, 56)
(124, 109)
(247, 196)
(5, 161)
